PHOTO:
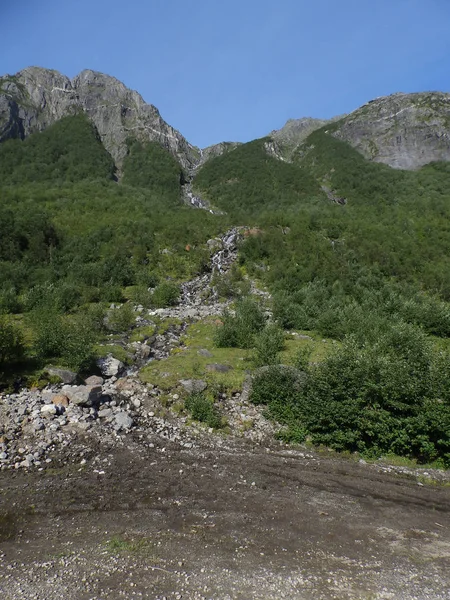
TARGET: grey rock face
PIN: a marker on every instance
(405, 131)
(217, 150)
(110, 366)
(193, 386)
(35, 98)
(294, 132)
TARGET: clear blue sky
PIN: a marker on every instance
(236, 69)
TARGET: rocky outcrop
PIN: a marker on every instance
(405, 131)
(35, 98)
(217, 150)
(294, 132)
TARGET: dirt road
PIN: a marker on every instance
(227, 522)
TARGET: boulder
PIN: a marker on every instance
(65, 375)
(48, 410)
(194, 386)
(94, 380)
(110, 366)
(217, 368)
(123, 421)
(84, 395)
(60, 400)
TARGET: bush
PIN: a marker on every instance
(165, 294)
(238, 331)
(79, 337)
(9, 301)
(121, 319)
(202, 409)
(11, 343)
(268, 344)
(278, 387)
(48, 328)
(378, 398)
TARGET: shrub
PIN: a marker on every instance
(48, 329)
(79, 337)
(9, 301)
(238, 331)
(202, 409)
(122, 318)
(11, 343)
(268, 344)
(165, 294)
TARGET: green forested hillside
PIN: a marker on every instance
(68, 151)
(371, 272)
(72, 238)
(248, 182)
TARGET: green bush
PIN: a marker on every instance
(121, 319)
(238, 330)
(202, 409)
(268, 344)
(165, 294)
(79, 337)
(48, 329)
(11, 343)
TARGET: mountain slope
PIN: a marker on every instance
(35, 98)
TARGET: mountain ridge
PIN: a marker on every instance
(403, 130)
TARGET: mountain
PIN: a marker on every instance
(404, 131)
(35, 98)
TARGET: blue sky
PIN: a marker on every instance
(237, 69)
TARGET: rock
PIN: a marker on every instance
(105, 412)
(110, 366)
(218, 368)
(123, 421)
(214, 244)
(84, 395)
(204, 352)
(60, 400)
(65, 375)
(94, 380)
(193, 386)
(36, 97)
(48, 410)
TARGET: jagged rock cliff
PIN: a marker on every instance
(405, 131)
(35, 98)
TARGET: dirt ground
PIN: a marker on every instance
(230, 521)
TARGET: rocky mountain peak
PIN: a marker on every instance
(36, 97)
(405, 131)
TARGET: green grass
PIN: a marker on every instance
(187, 363)
(102, 351)
(140, 334)
(120, 545)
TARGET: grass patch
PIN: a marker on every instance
(187, 363)
(120, 545)
(140, 334)
(115, 350)
(320, 347)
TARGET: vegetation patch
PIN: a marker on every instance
(190, 360)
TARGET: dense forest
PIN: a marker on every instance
(370, 271)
